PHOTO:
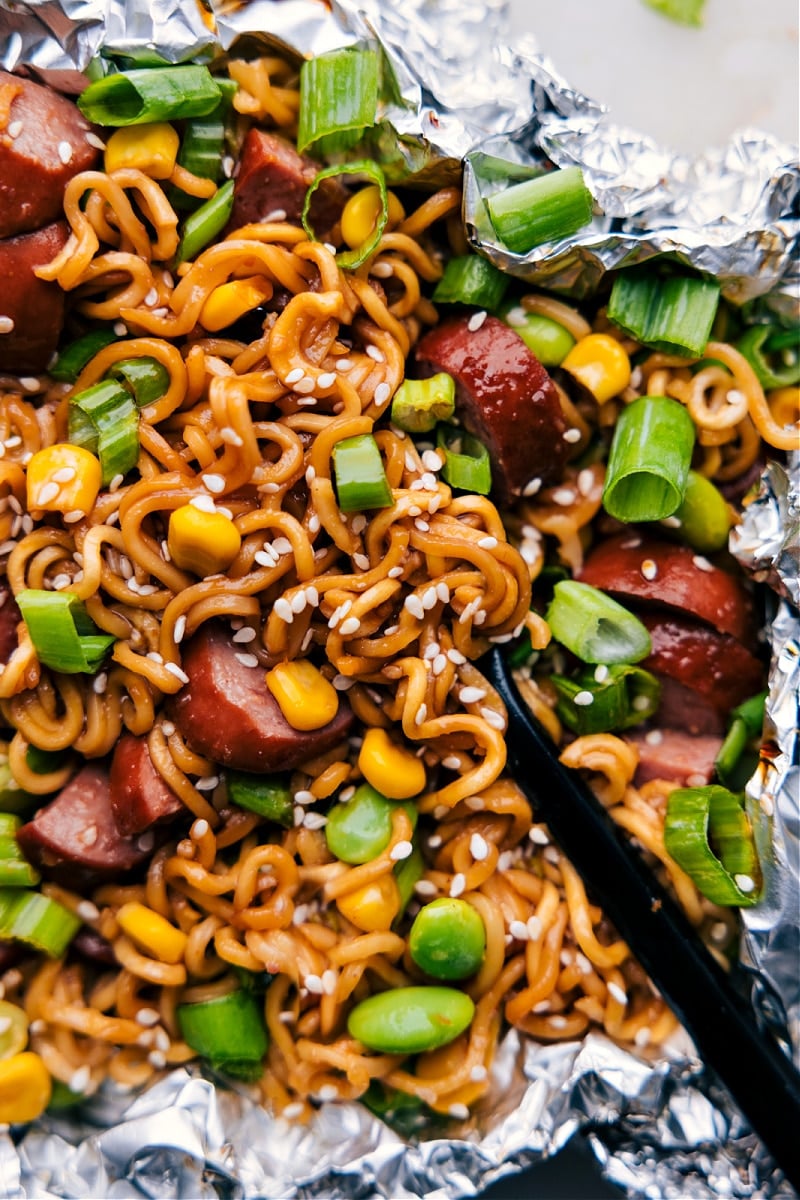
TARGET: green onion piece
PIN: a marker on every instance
(104, 419)
(403, 1113)
(203, 225)
(74, 357)
(521, 652)
(648, 465)
(13, 798)
(157, 94)
(63, 635)
(269, 796)
(733, 765)
(670, 313)
(704, 515)
(466, 460)
(685, 12)
(145, 378)
(338, 100)
(623, 696)
(471, 279)
(351, 259)
(545, 338)
(419, 403)
(62, 1097)
(594, 627)
(360, 478)
(97, 68)
(44, 762)
(37, 921)
(407, 874)
(695, 815)
(203, 145)
(759, 343)
(229, 1031)
(15, 870)
(544, 209)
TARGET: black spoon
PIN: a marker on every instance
(758, 1074)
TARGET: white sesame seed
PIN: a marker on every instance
(459, 1112)
(14, 129)
(382, 269)
(99, 683)
(245, 634)
(400, 851)
(284, 610)
(344, 364)
(298, 603)
(203, 504)
(294, 375)
(642, 1037)
(342, 683)
(601, 673)
(422, 526)
(294, 1110)
(719, 931)
(471, 695)
(478, 847)
(206, 783)
(744, 883)
(175, 670)
(214, 483)
(532, 487)
(79, 1080)
(116, 483)
(699, 561)
(167, 728)
(432, 460)
(538, 835)
(305, 386)
(313, 984)
(350, 626)
(230, 436)
(147, 1017)
(65, 152)
(572, 435)
(247, 660)
(456, 656)
(734, 396)
(458, 885)
(329, 980)
(696, 780)
(585, 481)
(648, 568)
(654, 737)
(475, 803)
(47, 492)
(476, 320)
(326, 379)
(563, 497)
(64, 475)
(6, 325)
(382, 393)
(361, 562)
(199, 829)
(519, 930)
(87, 911)
(421, 714)
(478, 1073)
(376, 354)
(487, 543)
(424, 887)
(327, 1093)
(414, 605)
(557, 1022)
(583, 699)
(314, 820)
(439, 664)
(534, 925)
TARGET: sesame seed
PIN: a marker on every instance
(298, 603)
(245, 634)
(400, 851)
(344, 364)
(214, 483)
(116, 483)
(641, 703)
(99, 683)
(284, 610)
(422, 526)
(295, 1109)
(456, 656)
(206, 783)
(585, 481)
(414, 605)
(459, 1112)
(157, 1059)
(376, 354)
(167, 728)
(558, 1022)
(475, 803)
(147, 1017)
(294, 375)
(538, 836)
(382, 393)
(79, 1080)
(532, 487)
(534, 926)
(180, 629)
(471, 695)
(14, 129)
(327, 1093)
(439, 663)
(313, 984)
(329, 980)
(719, 931)
(199, 829)
(519, 930)
(361, 561)
(478, 1073)
(734, 396)
(203, 504)
(583, 699)
(458, 885)
(642, 1038)
(326, 379)
(478, 847)
(654, 737)
(247, 660)
(350, 626)
(563, 497)
(601, 673)
(617, 992)
(700, 562)
(487, 543)
(94, 140)
(648, 568)
(424, 887)
(175, 670)
(6, 325)
(65, 152)
(744, 883)
(230, 436)
(421, 714)
(277, 214)
(571, 435)
(47, 492)
(87, 911)
(314, 821)
(476, 320)
(696, 780)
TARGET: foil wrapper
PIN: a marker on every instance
(659, 1125)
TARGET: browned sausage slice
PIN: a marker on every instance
(272, 177)
(504, 396)
(674, 754)
(226, 712)
(43, 143)
(139, 796)
(74, 838)
(657, 572)
(10, 617)
(31, 310)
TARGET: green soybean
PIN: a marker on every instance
(448, 939)
(549, 341)
(359, 830)
(704, 515)
(410, 1020)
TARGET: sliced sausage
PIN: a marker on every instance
(226, 712)
(74, 839)
(92, 945)
(273, 177)
(504, 396)
(43, 143)
(10, 617)
(681, 708)
(139, 796)
(31, 309)
(712, 666)
(654, 572)
(674, 754)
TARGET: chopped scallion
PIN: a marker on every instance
(594, 627)
(63, 635)
(269, 796)
(762, 344)
(203, 225)
(36, 920)
(104, 420)
(471, 279)
(694, 815)
(228, 1031)
(361, 481)
(419, 403)
(203, 144)
(351, 259)
(625, 696)
(146, 379)
(734, 765)
(466, 460)
(648, 464)
(544, 209)
(74, 357)
(338, 99)
(670, 313)
(150, 94)
(685, 12)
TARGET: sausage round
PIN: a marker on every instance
(44, 143)
(10, 617)
(226, 712)
(273, 177)
(31, 309)
(504, 396)
(674, 754)
(139, 796)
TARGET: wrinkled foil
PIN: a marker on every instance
(658, 1124)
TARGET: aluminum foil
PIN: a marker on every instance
(659, 1126)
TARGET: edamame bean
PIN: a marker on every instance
(410, 1020)
(704, 515)
(359, 830)
(448, 939)
(544, 337)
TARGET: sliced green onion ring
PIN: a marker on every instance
(351, 259)
(36, 920)
(621, 697)
(466, 460)
(544, 209)
(471, 279)
(730, 876)
(105, 420)
(360, 478)
(338, 99)
(671, 313)
(595, 627)
(418, 404)
(203, 144)
(74, 357)
(733, 766)
(649, 461)
(150, 94)
(146, 379)
(270, 796)
(759, 342)
(685, 12)
(203, 225)
(229, 1031)
(63, 635)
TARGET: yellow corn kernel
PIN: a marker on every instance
(600, 364)
(361, 212)
(13, 1029)
(152, 932)
(63, 478)
(25, 1088)
(150, 148)
(784, 405)
(373, 907)
(202, 542)
(232, 300)
(391, 769)
(303, 693)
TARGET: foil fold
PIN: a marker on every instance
(659, 1125)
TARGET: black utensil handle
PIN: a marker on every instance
(751, 1064)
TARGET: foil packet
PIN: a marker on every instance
(658, 1123)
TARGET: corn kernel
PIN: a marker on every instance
(361, 212)
(305, 697)
(152, 932)
(151, 148)
(600, 364)
(25, 1088)
(230, 301)
(63, 478)
(13, 1029)
(372, 908)
(391, 769)
(201, 542)
(784, 405)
